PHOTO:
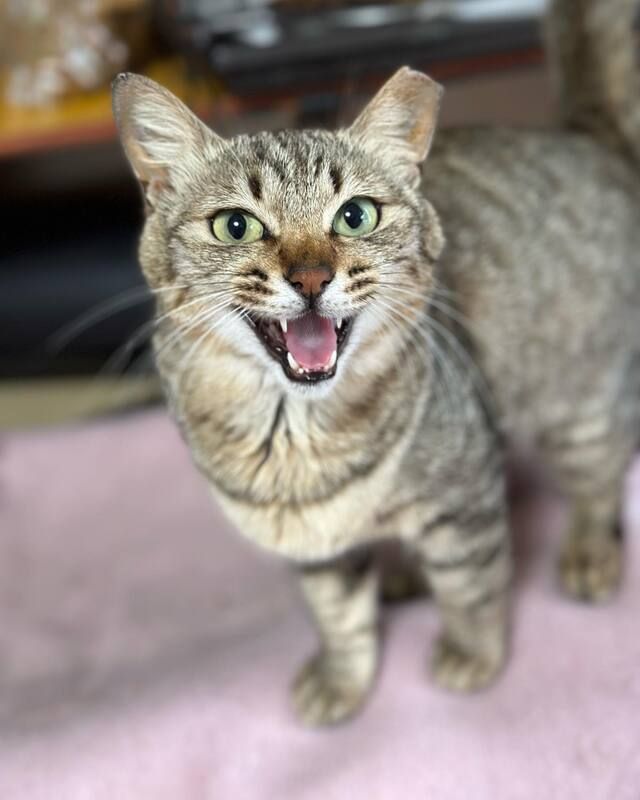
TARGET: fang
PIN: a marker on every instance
(294, 364)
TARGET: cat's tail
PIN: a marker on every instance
(592, 51)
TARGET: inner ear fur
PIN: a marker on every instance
(402, 117)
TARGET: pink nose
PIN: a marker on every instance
(310, 281)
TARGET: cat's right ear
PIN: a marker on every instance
(166, 144)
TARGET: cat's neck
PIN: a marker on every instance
(255, 437)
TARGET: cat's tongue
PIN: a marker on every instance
(311, 340)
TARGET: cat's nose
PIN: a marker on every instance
(310, 281)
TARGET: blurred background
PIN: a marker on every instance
(74, 312)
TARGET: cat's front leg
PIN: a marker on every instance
(466, 559)
(343, 599)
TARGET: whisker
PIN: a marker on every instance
(463, 358)
(116, 361)
(58, 340)
(466, 360)
(448, 377)
(446, 308)
(119, 356)
(175, 337)
(62, 337)
(190, 356)
(386, 323)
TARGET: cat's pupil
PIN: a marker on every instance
(353, 215)
(237, 226)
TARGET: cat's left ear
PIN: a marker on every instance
(166, 144)
(401, 119)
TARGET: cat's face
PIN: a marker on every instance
(296, 248)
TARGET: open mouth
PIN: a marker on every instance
(307, 348)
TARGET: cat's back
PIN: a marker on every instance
(543, 253)
(503, 183)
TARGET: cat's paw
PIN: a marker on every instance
(458, 671)
(591, 573)
(323, 696)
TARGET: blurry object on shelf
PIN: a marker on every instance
(319, 5)
(290, 44)
(52, 48)
(86, 118)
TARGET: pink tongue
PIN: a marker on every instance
(311, 340)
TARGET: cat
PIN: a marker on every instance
(352, 325)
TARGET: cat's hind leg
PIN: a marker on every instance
(590, 456)
(590, 565)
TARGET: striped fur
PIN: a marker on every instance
(525, 325)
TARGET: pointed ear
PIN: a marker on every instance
(401, 119)
(165, 143)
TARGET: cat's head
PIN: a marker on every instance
(300, 249)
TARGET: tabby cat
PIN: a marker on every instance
(348, 338)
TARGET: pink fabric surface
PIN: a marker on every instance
(145, 652)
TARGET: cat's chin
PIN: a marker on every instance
(315, 391)
(271, 335)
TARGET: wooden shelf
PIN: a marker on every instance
(86, 118)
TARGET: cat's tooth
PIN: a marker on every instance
(293, 363)
(339, 323)
(283, 325)
(333, 359)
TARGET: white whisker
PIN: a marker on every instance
(448, 377)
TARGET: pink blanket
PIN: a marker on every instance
(145, 651)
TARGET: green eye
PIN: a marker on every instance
(236, 227)
(356, 217)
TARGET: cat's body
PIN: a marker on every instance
(552, 305)
(524, 324)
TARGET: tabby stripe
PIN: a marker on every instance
(490, 595)
(258, 288)
(472, 521)
(358, 472)
(483, 185)
(336, 178)
(385, 516)
(267, 444)
(477, 559)
(279, 170)
(247, 298)
(360, 284)
(255, 187)
(357, 270)
(256, 272)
